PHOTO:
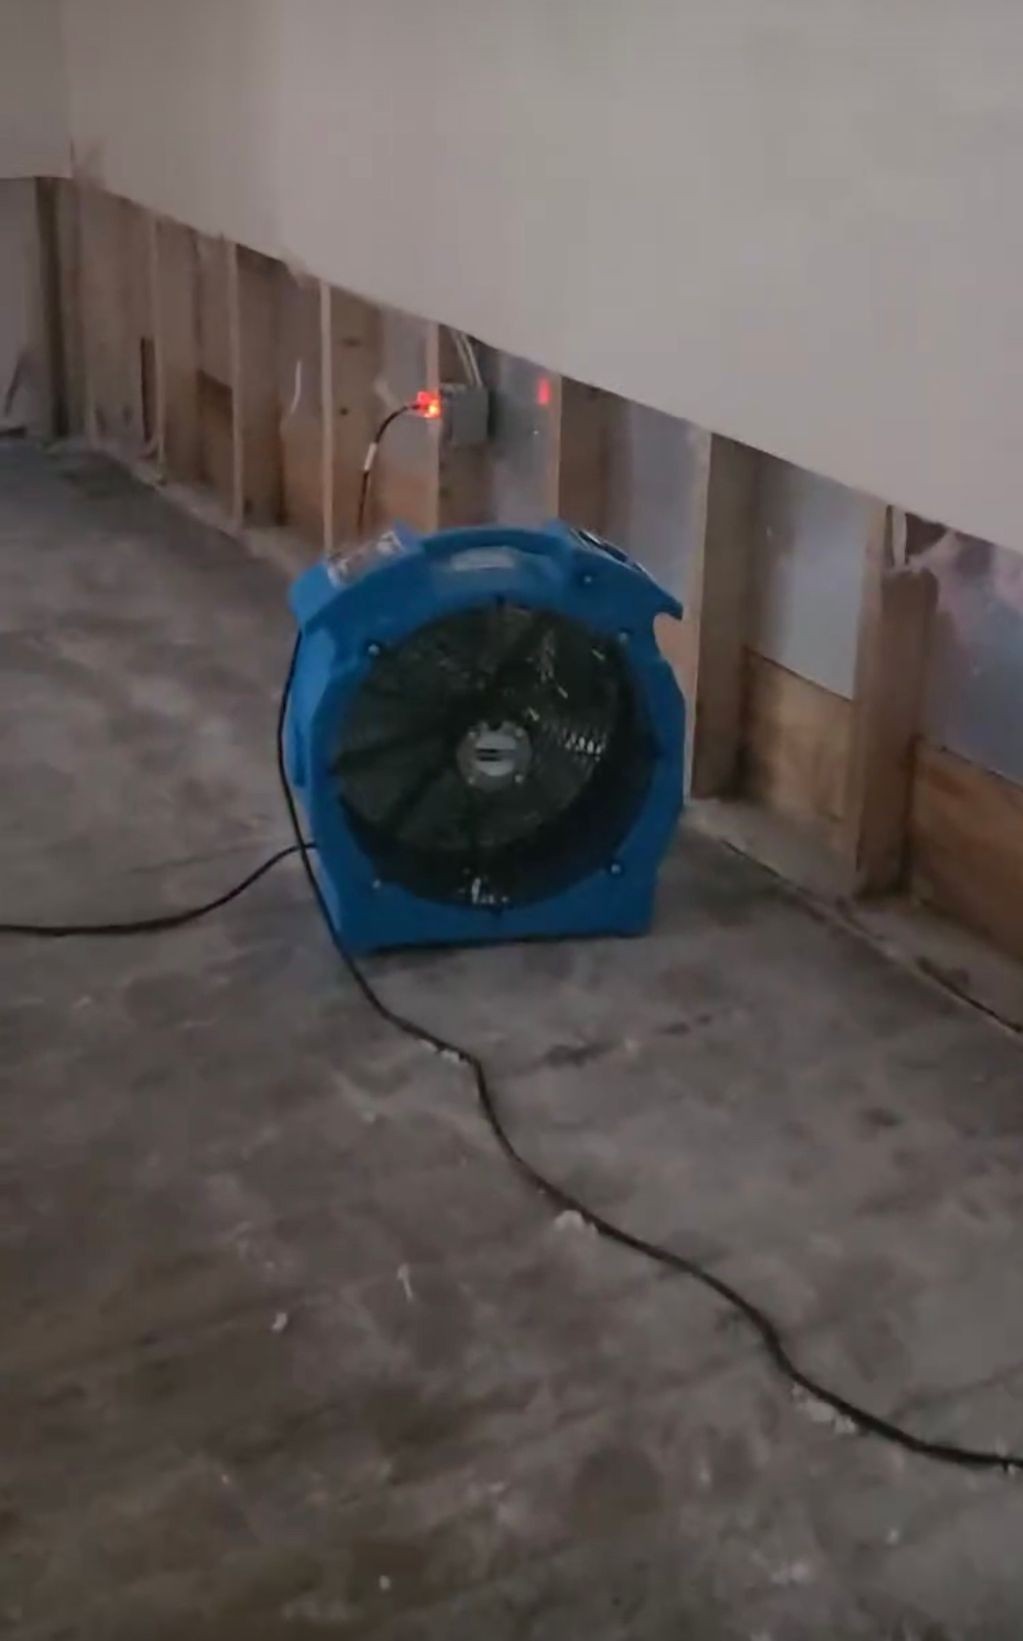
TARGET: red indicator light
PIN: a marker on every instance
(543, 393)
(428, 405)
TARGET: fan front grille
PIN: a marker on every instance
(494, 757)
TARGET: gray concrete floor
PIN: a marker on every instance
(286, 1350)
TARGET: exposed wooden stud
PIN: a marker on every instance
(154, 367)
(327, 477)
(584, 456)
(352, 406)
(525, 439)
(134, 294)
(114, 316)
(551, 406)
(234, 341)
(252, 332)
(466, 472)
(142, 321)
(431, 346)
(88, 208)
(216, 437)
(717, 604)
(215, 382)
(966, 830)
(176, 326)
(300, 398)
(159, 409)
(48, 349)
(894, 637)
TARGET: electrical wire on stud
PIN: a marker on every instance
(429, 407)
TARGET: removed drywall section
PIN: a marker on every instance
(898, 607)
(254, 314)
(709, 652)
(654, 491)
(636, 476)
(300, 391)
(33, 95)
(176, 299)
(215, 381)
(588, 418)
(639, 478)
(975, 695)
(808, 561)
(353, 365)
(407, 478)
(465, 495)
(525, 438)
(67, 348)
(117, 318)
(22, 384)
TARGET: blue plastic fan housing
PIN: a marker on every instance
(353, 611)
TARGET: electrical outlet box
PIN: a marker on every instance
(466, 413)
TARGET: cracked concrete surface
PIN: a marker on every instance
(286, 1350)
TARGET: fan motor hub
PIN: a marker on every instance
(492, 757)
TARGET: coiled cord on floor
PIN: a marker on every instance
(851, 1415)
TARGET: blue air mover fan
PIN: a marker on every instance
(484, 736)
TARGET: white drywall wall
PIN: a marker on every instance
(173, 104)
(797, 222)
(33, 111)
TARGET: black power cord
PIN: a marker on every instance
(767, 1331)
(370, 463)
(858, 1418)
(150, 925)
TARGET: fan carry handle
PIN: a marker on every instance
(552, 541)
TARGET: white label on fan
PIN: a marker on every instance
(475, 559)
(344, 565)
